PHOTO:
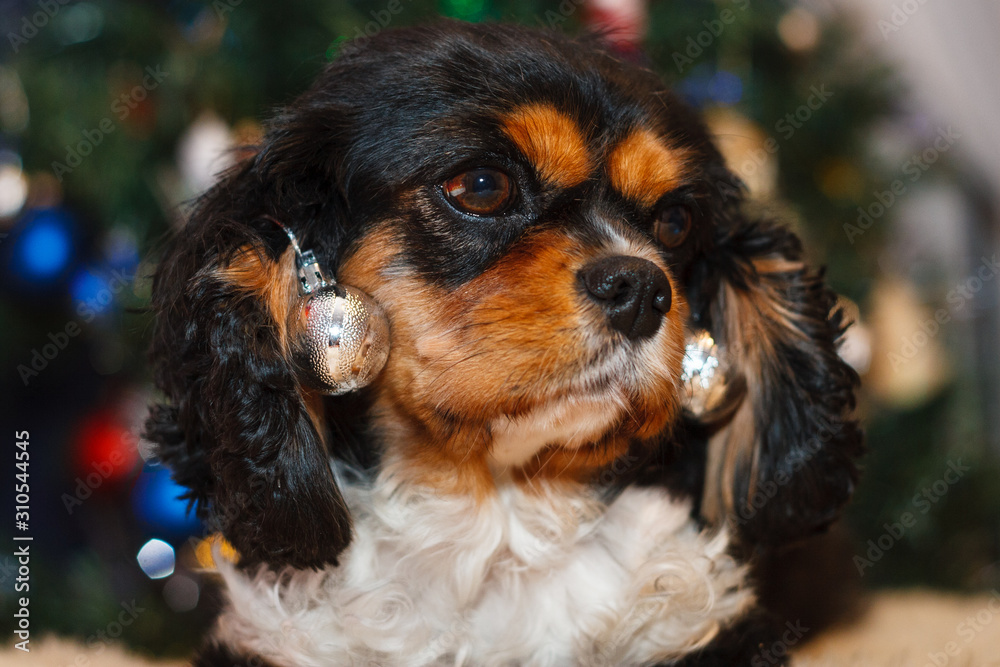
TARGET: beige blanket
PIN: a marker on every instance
(912, 629)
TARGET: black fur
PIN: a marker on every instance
(401, 114)
(216, 655)
(805, 401)
(752, 642)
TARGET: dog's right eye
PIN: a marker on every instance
(481, 191)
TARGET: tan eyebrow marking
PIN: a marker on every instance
(643, 168)
(552, 141)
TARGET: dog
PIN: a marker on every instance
(527, 481)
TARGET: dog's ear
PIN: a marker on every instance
(785, 463)
(238, 427)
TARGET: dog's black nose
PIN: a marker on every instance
(633, 292)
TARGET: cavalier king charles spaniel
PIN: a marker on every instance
(534, 478)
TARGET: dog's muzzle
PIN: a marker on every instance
(634, 293)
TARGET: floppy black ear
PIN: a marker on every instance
(785, 464)
(237, 426)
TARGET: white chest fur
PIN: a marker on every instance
(532, 578)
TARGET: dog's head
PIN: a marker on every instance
(541, 223)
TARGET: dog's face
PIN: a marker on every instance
(527, 242)
(540, 222)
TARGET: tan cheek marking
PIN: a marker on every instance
(364, 268)
(273, 283)
(552, 141)
(644, 169)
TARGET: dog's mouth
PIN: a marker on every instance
(570, 422)
(598, 400)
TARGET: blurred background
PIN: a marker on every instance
(874, 122)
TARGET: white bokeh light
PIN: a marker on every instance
(156, 558)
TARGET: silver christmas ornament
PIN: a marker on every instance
(703, 373)
(344, 340)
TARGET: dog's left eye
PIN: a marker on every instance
(481, 191)
(672, 225)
